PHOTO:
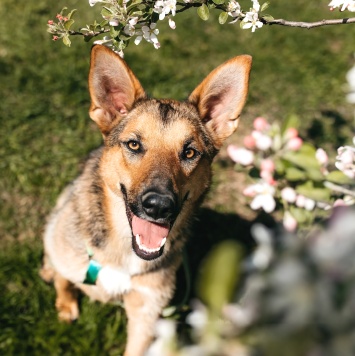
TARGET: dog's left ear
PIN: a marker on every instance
(221, 96)
(113, 88)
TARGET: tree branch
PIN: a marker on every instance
(339, 189)
(309, 25)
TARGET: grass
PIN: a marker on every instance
(46, 133)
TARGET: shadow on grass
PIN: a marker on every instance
(332, 127)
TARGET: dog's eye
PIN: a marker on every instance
(190, 153)
(134, 146)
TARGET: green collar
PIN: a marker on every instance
(93, 269)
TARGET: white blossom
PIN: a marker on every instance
(344, 4)
(262, 142)
(93, 2)
(288, 194)
(264, 197)
(149, 33)
(233, 8)
(172, 24)
(164, 7)
(251, 19)
(242, 156)
(346, 161)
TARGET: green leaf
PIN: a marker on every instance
(339, 177)
(220, 274)
(291, 121)
(302, 160)
(68, 24)
(103, 23)
(66, 40)
(219, 2)
(301, 215)
(309, 149)
(267, 18)
(294, 174)
(315, 174)
(223, 16)
(71, 13)
(312, 192)
(264, 6)
(203, 12)
(114, 33)
(106, 12)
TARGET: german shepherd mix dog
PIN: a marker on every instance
(117, 232)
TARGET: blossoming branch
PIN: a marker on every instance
(292, 176)
(126, 20)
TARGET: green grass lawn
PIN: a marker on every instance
(46, 133)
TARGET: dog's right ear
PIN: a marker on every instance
(113, 88)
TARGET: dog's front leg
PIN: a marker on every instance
(144, 303)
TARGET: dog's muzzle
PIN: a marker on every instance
(152, 218)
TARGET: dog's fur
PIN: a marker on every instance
(148, 179)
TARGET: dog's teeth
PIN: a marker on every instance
(138, 239)
(146, 249)
(162, 242)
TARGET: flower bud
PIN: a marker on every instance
(321, 156)
(289, 222)
(291, 132)
(249, 142)
(288, 194)
(260, 124)
(267, 165)
(294, 144)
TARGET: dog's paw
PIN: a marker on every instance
(67, 311)
(114, 281)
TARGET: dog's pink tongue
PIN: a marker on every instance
(151, 235)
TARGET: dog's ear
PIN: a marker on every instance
(221, 96)
(113, 88)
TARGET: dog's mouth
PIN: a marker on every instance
(149, 238)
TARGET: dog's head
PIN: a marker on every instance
(158, 153)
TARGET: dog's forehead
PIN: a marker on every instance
(157, 120)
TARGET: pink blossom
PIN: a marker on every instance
(249, 142)
(260, 124)
(50, 22)
(289, 222)
(294, 144)
(321, 156)
(267, 165)
(240, 155)
(55, 38)
(291, 132)
(249, 191)
(268, 177)
(288, 194)
(339, 202)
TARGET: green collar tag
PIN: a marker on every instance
(92, 272)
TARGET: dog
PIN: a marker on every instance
(117, 232)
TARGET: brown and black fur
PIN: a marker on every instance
(152, 172)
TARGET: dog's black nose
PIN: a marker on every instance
(158, 206)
